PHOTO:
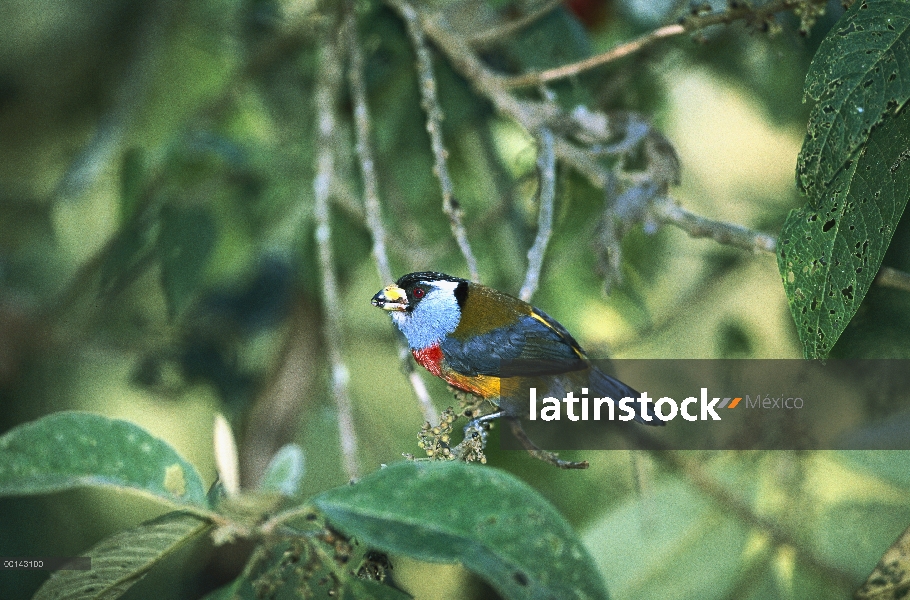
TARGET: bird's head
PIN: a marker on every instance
(425, 306)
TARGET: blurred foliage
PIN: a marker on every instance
(158, 264)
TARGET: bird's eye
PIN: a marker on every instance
(418, 293)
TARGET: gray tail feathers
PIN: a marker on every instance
(604, 385)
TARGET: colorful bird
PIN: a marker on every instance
(462, 332)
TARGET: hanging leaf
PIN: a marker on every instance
(860, 72)
(829, 255)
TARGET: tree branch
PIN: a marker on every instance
(494, 34)
(327, 87)
(741, 12)
(430, 102)
(546, 166)
(667, 211)
(373, 211)
(371, 205)
(738, 236)
(620, 51)
(736, 505)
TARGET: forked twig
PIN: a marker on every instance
(430, 103)
(373, 211)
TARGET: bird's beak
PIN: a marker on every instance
(391, 298)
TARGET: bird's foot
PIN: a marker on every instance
(474, 443)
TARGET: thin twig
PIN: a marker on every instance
(576, 68)
(688, 24)
(697, 226)
(327, 88)
(546, 165)
(732, 502)
(430, 415)
(494, 34)
(373, 211)
(738, 236)
(365, 148)
(430, 103)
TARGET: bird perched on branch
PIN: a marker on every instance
(467, 334)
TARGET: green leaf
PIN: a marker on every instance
(852, 534)
(893, 466)
(186, 241)
(285, 471)
(890, 580)
(489, 521)
(128, 250)
(132, 183)
(238, 589)
(121, 560)
(357, 589)
(828, 256)
(555, 39)
(292, 569)
(646, 547)
(75, 449)
(860, 72)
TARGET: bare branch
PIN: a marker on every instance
(697, 226)
(430, 103)
(546, 165)
(327, 87)
(373, 216)
(741, 12)
(735, 505)
(365, 148)
(576, 68)
(420, 389)
(485, 38)
(530, 114)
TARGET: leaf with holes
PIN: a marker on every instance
(890, 580)
(829, 255)
(121, 560)
(860, 73)
(75, 449)
(487, 520)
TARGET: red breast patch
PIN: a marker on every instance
(430, 358)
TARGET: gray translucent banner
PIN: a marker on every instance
(725, 404)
